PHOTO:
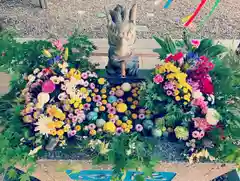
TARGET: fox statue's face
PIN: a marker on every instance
(122, 29)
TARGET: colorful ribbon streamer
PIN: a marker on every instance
(203, 2)
(168, 3)
(211, 12)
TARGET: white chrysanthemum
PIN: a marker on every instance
(42, 125)
(212, 116)
(31, 78)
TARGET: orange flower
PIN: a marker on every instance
(88, 99)
(78, 128)
(92, 132)
(124, 125)
(118, 122)
(134, 116)
(110, 116)
(104, 101)
(129, 99)
(95, 90)
(102, 108)
(103, 91)
(53, 132)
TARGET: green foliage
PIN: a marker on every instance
(12, 174)
(226, 80)
(167, 46)
(18, 59)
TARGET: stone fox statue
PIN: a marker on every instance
(121, 37)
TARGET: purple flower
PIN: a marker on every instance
(78, 111)
(72, 133)
(170, 85)
(84, 75)
(112, 93)
(86, 83)
(92, 86)
(169, 93)
(141, 116)
(97, 98)
(112, 110)
(165, 87)
(81, 117)
(108, 105)
(87, 106)
(74, 119)
(139, 127)
(91, 126)
(98, 104)
(120, 100)
(142, 111)
(70, 115)
(119, 131)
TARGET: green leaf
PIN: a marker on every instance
(162, 53)
(25, 177)
(162, 43)
(204, 45)
(170, 44)
(139, 178)
(179, 43)
(12, 174)
(216, 50)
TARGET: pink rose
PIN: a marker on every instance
(158, 79)
(48, 86)
(196, 43)
(58, 44)
(198, 135)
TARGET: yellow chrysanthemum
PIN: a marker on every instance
(121, 107)
(78, 128)
(102, 108)
(127, 130)
(101, 81)
(80, 106)
(109, 127)
(103, 91)
(60, 132)
(104, 96)
(110, 116)
(118, 122)
(104, 101)
(88, 99)
(124, 125)
(129, 122)
(177, 98)
(134, 116)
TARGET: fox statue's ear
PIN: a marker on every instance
(133, 14)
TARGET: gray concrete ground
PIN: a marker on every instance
(62, 16)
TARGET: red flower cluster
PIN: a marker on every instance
(201, 75)
(175, 57)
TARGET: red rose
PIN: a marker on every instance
(207, 86)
